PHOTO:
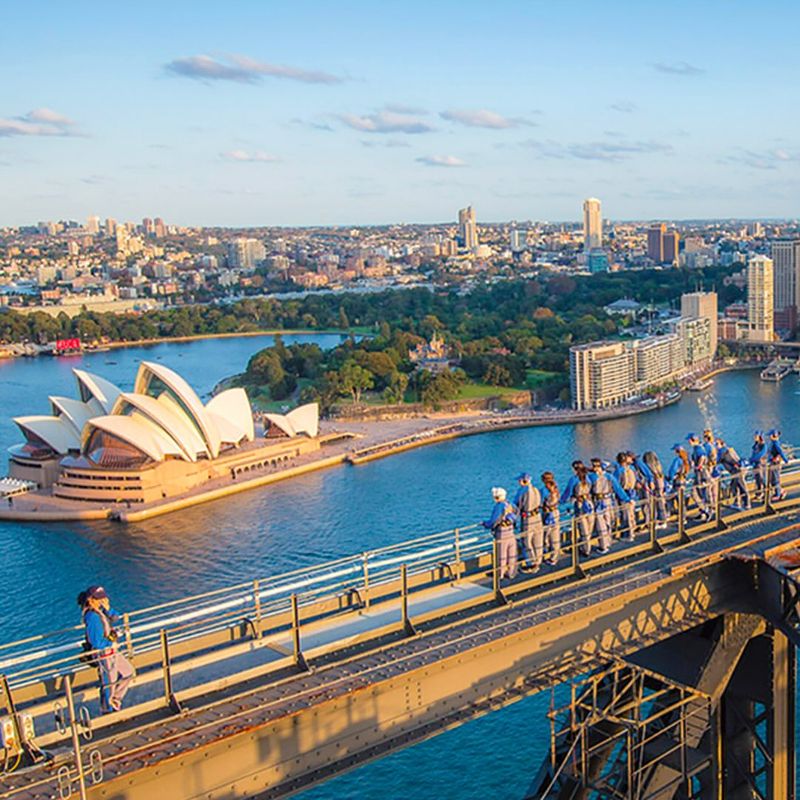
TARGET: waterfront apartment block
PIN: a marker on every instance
(601, 374)
(605, 374)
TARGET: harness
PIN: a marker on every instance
(580, 495)
(601, 491)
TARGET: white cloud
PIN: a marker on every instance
(482, 118)
(441, 161)
(242, 69)
(39, 122)
(385, 122)
(245, 156)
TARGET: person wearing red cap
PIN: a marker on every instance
(116, 672)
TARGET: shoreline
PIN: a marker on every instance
(196, 337)
(422, 433)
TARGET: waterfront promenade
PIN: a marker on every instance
(351, 442)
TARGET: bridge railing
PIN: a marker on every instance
(266, 606)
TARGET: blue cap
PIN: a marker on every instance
(757, 433)
(774, 432)
(690, 436)
(523, 476)
(677, 446)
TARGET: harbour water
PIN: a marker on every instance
(328, 514)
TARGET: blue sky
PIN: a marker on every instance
(264, 113)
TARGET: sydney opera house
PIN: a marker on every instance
(155, 442)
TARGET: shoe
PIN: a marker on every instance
(662, 526)
(605, 550)
(779, 496)
(116, 705)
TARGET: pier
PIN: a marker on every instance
(679, 647)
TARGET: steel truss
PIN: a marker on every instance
(715, 722)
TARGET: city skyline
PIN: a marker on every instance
(356, 115)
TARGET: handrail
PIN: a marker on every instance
(33, 656)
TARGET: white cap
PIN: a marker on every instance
(498, 492)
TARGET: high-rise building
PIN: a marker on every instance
(655, 242)
(245, 254)
(695, 334)
(669, 245)
(785, 255)
(159, 228)
(760, 299)
(467, 228)
(519, 240)
(592, 224)
(702, 305)
(111, 226)
(147, 226)
(93, 225)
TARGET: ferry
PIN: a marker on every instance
(701, 385)
(776, 371)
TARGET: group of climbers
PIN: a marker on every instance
(605, 497)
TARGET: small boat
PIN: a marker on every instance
(701, 385)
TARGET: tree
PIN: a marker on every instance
(497, 375)
(355, 380)
(344, 320)
(395, 391)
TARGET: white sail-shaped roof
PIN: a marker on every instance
(167, 416)
(138, 432)
(185, 397)
(233, 406)
(57, 434)
(74, 412)
(305, 419)
(100, 389)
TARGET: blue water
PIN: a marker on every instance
(329, 514)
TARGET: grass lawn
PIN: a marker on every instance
(534, 378)
(469, 391)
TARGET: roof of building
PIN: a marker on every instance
(162, 418)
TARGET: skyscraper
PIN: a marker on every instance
(93, 225)
(786, 264)
(702, 305)
(467, 228)
(592, 224)
(655, 242)
(760, 297)
(669, 245)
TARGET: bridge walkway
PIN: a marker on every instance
(456, 608)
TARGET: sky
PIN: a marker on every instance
(320, 113)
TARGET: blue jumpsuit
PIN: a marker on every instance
(528, 504)
(115, 670)
(604, 486)
(758, 461)
(579, 493)
(501, 524)
(626, 475)
(775, 457)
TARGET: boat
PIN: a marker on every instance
(776, 371)
(701, 385)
